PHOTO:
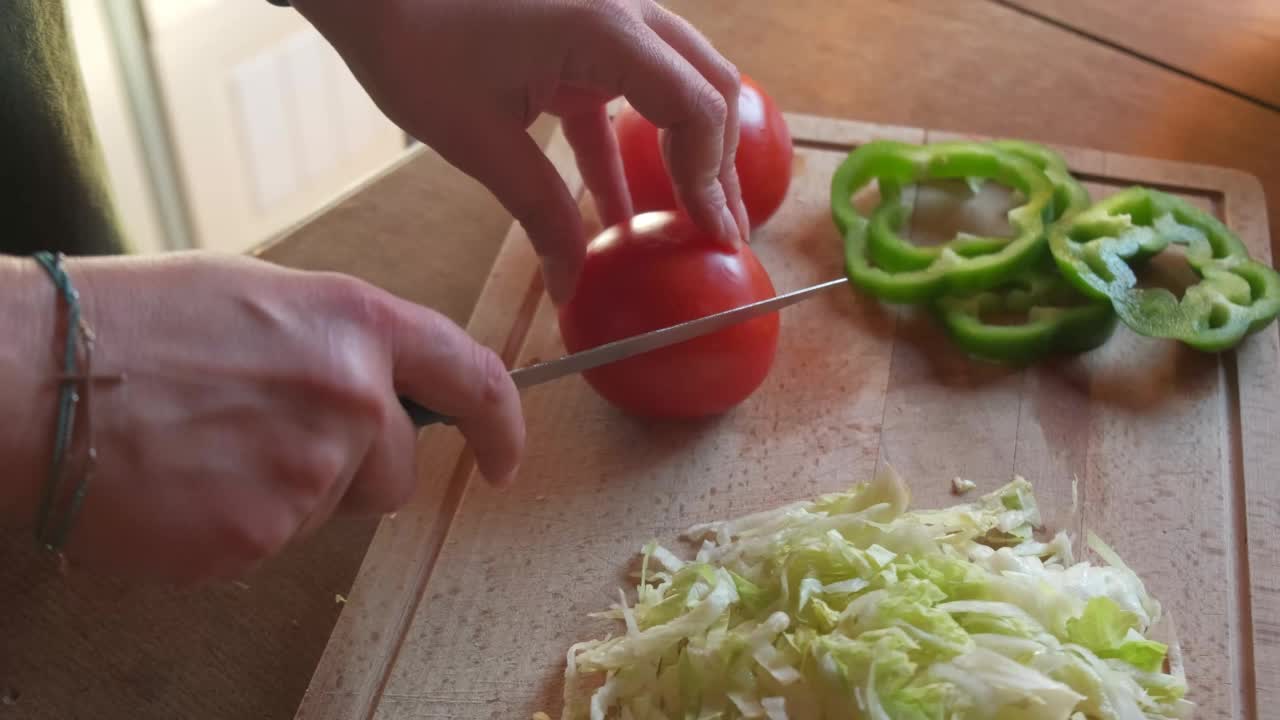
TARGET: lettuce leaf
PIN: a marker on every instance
(853, 605)
(1112, 632)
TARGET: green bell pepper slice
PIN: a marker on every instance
(1055, 319)
(1097, 250)
(881, 262)
(1070, 198)
(1058, 318)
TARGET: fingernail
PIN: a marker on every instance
(729, 230)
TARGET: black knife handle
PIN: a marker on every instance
(421, 416)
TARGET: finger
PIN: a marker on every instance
(386, 478)
(510, 164)
(438, 365)
(596, 149)
(310, 511)
(669, 92)
(324, 509)
(694, 47)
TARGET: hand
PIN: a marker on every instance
(467, 78)
(258, 401)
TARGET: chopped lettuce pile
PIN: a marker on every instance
(851, 606)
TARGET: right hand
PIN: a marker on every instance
(468, 78)
(259, 401)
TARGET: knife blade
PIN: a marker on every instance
(635, 345)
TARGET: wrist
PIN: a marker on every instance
(28, 387)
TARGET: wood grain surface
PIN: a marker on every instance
(1236, 44)
(97, 648)
(371, 634)
(1171, 461)
(977, 66)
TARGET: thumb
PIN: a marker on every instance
(510, 164)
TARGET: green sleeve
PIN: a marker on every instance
(53, 187)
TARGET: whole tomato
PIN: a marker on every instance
(763, 159)
(656, 270)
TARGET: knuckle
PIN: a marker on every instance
(366, 400)
(348, 367)
(321, 466)
(348, 387)
(597, 14)
(341, 288)
(315, 471)
(358, 299)
(263, 536)
(598, 25)
(347, 383)
(727, 78)
(711, 105)
(703, 188)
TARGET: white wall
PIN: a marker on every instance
(267, 123)
(114, 124)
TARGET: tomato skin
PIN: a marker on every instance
(763, 159)
(642, 164)
(764, 153)
(657, 270)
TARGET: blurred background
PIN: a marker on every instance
(223, 122)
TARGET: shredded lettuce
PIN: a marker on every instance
(852, 606)
(1112, 632)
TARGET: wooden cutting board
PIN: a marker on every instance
(470, 597)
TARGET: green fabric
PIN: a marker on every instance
(53, 188)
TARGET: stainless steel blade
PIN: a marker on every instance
(646, 342)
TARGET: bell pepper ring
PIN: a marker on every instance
(1098, 249)
(1054, 319)
(1070, 198)
(881, 262)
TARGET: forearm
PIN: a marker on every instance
(28, 316)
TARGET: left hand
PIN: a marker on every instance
(468, 77)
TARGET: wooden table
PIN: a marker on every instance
(1200, 88)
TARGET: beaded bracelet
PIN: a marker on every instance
(77, 352)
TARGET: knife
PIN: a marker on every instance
(635, 345)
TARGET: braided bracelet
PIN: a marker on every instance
(77, 351)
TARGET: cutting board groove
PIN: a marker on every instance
(469, 597)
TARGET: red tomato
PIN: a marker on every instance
(763, 160)
(642, 164)
(657, 270)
